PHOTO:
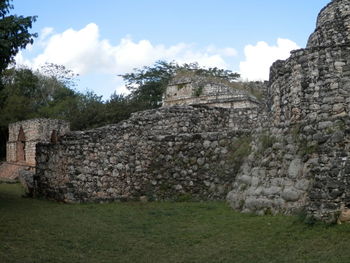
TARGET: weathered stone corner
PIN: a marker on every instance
(306, 166)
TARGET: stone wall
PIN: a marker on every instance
(301, 160)
(288, 155)
(24, 135)
(168, 153)
(332, 26)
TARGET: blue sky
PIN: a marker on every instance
(100, 39)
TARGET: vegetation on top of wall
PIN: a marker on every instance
(180, 86)
(148, 84)
(254, 88)
(49, 93)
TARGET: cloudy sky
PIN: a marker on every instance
(100, 39)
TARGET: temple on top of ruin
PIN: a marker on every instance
(191, 89)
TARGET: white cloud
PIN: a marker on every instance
(45, 32)
(21, 60)
(85, 52)
(260, 57)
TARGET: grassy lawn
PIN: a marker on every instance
(43, 231)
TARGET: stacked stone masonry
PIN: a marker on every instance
(305, 165)
(163, 154)
(299, 159)
(24, 136)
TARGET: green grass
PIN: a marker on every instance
(43, 231)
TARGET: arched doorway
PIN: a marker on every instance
(21, 146)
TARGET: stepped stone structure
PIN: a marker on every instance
(302, 162)
(199, 90)
(288, 155)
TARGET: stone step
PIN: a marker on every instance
(11, 170)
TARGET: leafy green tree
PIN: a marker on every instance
(50, 93)
(60, 74)
(19, 100)
(27, 94)
(14, 33)
(119, 107)
(91, 112)
(45, 95)
(20, 95)
(148, 84)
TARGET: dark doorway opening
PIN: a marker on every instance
(21, 146)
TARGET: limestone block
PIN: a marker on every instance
(273, 190)
(295, 168)
(324, 125)
(290, 194)
(245, 179)
(302, 184)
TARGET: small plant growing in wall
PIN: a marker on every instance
(198, 91)
(239, 149)
(339, 125)
(180, 86)
(295, 131)
(266, 140)
(306, 148)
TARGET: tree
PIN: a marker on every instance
(59, 73)
(14, 33)
(148, 84)
(119, 107)
(18, 100)
(30, 94)
(90, 112)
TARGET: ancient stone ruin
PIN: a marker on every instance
(191, 89)
(25, 135)
(301, 162)
(165, 154)
(288, 155)
(23, 139)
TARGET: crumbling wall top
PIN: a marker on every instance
(38, 129)
(333, 24)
